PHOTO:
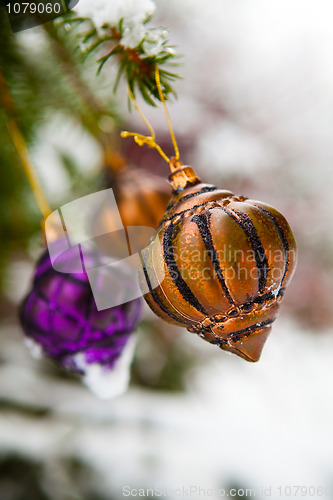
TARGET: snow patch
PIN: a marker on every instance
(104, 382)
(103, 12)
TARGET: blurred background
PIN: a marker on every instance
(254, 114)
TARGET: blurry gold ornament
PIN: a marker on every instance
(141, 200)
(142, 197)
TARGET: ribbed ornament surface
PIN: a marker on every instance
(227, 261)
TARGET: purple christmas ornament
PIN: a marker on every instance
(60, 315)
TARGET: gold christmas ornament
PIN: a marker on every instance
(222, 263)
(227, 261)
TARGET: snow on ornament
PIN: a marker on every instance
(60, 320)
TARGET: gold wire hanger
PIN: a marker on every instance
(150, 140)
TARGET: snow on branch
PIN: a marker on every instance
(118, 28)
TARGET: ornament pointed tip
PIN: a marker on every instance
(251, 347)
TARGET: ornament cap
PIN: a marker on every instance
(182, 176)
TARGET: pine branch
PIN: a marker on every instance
(137, 55)
(19, 215)
(69, 66)
(64, 49)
